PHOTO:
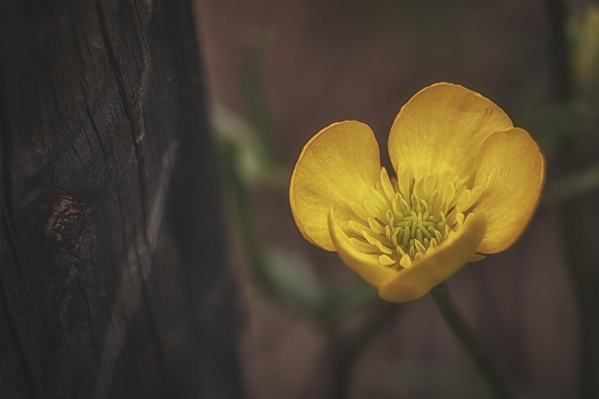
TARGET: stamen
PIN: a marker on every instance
(425, 233)
(404, 181)
(463, 200)
(419, 247)
(383, 248)
(373, 210)
(404, 206)
(386, 261)
(448, 193)
(371, 240)
(405, 261)
(355, 227)
(435, 200)
(375, 226)
(405, 219)
(359, 211)
(363, 246)
(388, 232)
(377, 200)
(386, 183)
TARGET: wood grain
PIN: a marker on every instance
(114, 275)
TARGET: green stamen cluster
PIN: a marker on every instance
(415, 228)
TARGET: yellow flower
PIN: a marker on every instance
(468, 183)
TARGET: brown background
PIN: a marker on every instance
(330, 61)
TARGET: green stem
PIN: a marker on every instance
(250, 239)
(467, 338)
(347, 356)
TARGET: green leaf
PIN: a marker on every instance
(583, 33)
(252, 163)
(289, 275)
(255, 99)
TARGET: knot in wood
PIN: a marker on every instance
(67, 222)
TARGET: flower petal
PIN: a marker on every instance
(336, 166)
(441, 128)
(366, 266)
(448, 258)
(511, 170)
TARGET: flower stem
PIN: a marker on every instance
(458, 325)
(350, 352)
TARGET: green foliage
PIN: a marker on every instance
(254, 95)
(280, 275)
(296, 288)
(583, 35)
(252, 161)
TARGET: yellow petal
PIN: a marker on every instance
(366, 266)
(441, 128)
(448, 258)
(476, 258)
(336, 166)
(512, 168)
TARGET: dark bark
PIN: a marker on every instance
(114, 274)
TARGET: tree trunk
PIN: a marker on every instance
(114, 274)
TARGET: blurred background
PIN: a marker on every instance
(279, 71)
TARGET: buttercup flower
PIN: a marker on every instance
(467, 184)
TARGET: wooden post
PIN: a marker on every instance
(115, 279)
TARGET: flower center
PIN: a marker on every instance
(415, 228)
(402, 220)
